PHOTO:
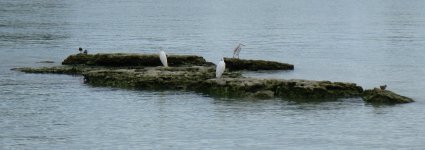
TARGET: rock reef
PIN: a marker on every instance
(234, 64)
(379, 96)
(201, 79)
(189, 72)
(124, 60)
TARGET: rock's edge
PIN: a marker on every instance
(254, 65)
(378, 96)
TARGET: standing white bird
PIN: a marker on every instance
(237, 50)
(221, 66)
(163, 58)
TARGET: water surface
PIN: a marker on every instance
(369, 42)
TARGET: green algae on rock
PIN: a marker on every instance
(201, 79)
(123, 59)
(295, 89)
(154, 77)
(378, 96)
(254, 65)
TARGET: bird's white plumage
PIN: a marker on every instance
(163, 58)
(221, 66)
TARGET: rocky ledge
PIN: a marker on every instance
(201, 79)
(193, 73)
(379, 96)
(124, 60)
(254, 65)
(152, 60)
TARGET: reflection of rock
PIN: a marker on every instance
(121, 60)
(384, 96)
(254, 65)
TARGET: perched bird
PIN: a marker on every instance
(163, 58)
(221, 66)
(383, 87)
(237, 50)
(80, 49)
(85, 51)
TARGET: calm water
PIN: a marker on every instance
(369, 42)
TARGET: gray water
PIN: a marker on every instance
(369, 42)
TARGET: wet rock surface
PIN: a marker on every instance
(123, 59)
(254, 65)
(379, 96)
(168, 78)
(201, 79)
(265, 88)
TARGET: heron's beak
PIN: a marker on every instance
(242, 44)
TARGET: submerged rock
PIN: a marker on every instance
(54, 70)
(254, 65)
(46, 62)
(380, 96)
(123, 60)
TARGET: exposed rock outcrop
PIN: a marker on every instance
(193, 73)
(122, 60)
(242, 64)
(379, 96)
(201, 79)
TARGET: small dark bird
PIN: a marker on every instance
(80, 49)
(383, 87)
(85, 51)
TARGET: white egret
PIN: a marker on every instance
(221, 66)
(163, 58)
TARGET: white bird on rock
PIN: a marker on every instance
(221, 66)
(163, 58)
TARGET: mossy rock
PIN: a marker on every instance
(268, 88)
(123, 60)
(167, 78)
(378, 96)
(255, 65)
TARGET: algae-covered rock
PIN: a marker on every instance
(122, 60)
(254, 65)
(380, 96)
(154, 77)
(202, 79)
(264, 94)
(193, 73)
(299, 89)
